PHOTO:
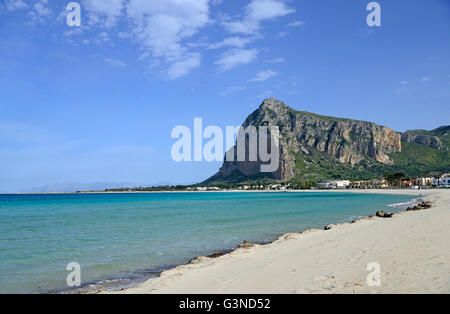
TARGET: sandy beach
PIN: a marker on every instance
(412, 250)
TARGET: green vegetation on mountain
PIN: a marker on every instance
(416, 159)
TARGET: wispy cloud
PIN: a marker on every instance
(296, 24)
(39, 12)
(236, 57)
(183, 67)
(364, 32)
(426, 78)
(159, 27)
(264, 76)
(41, 8)
(115, 62)
(290, 25)
(249, 26)
(276, 60)
(12, 5)
(104, 12)
(282, 34)
(257, 12)
(238, 42)
(102, 37)
(165, 30)
(123, 35)
(74, 32)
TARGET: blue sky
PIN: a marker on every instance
(98, 102)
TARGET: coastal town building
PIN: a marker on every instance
(334, 185)
(369, 184)
(443, 181)
(425, 181)
(209, 188)
(407, 183)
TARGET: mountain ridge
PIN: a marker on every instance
(317, 147)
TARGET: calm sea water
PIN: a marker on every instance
(121, 239)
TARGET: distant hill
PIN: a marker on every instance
(315, 148)
(74, 187)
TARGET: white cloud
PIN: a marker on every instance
(161, 25)
(426, 79)
(235, 57)
(12, 5)
(103, 37)
(282, 34)
(183, 67)
(296, 24)
(238, 42)
(104, 12)
(41, 8)
(165, 29)
(75, 31)
(39, 11)
(257, 12)
(123, 35)
(264, 76)
(276, 60)
(364, 32)
(115, 62)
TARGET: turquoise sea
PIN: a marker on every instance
(122, 239)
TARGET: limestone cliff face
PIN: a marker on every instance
(304, 133)
(423, 139)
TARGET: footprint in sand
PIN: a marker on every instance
(323, 278)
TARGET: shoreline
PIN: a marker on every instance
(370, 191)
(169, 277)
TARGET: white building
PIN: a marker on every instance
(275, 186)
(443, 181)
(424, 181)
(334, 185)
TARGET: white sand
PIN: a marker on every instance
(412, 248)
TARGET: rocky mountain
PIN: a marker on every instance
(439, 138)
(314, 147)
